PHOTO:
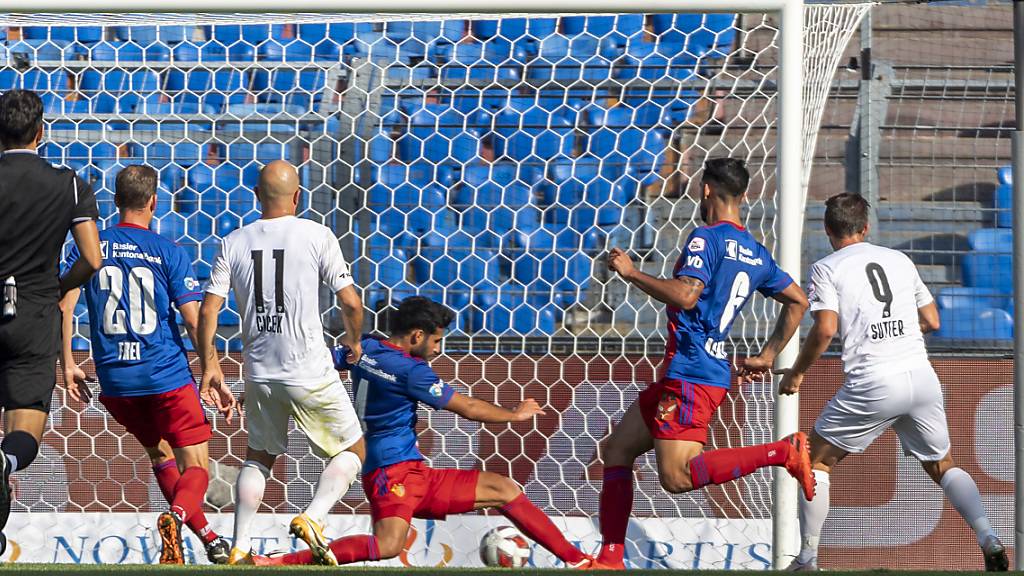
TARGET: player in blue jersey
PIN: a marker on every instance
(720, 267)
(143, 371)
(390, 380)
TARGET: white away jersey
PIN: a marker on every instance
(876, 291)
(275, 268)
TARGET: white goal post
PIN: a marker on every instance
(811, 40)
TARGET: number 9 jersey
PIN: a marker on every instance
(136, 344)
(732, 265)
(876, 292)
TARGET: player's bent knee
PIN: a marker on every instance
(22, 445)
(390, 546)
(675, 483)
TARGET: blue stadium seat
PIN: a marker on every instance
(975, 324)
(988, 270)
(1004, 205)
(974, 298)
(998, 240)
(146, 35)
(285, 51)
(390, 259)
(55, 81)
(110, 51)
(533, 133)
(42, 50)
(597, 26)
(1006, 175)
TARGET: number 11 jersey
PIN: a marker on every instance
(276, 267)
(876, 292)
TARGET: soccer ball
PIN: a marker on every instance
(504, 547)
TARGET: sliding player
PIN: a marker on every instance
(874, 298)
(145, 380)
(721, 266)
(391, 379)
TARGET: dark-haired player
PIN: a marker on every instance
(720, 268)
(391, 379)
(39, 204)
(144, 376)
(875, 299)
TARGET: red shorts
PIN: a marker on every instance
(175, 416)
(679, 410)
(412, 489)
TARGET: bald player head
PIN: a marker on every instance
(278, 190)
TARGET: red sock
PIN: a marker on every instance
(189, 493)
(346, 550)
(532, 522)
(613, 512)
(727, 464)
(167, 477)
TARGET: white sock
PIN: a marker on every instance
(252, 481)
(812, 518)
(334, 482)
(964, 496)
(12, 461)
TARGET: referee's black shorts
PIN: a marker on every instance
(29, 346)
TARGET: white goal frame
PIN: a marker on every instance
(790, 179)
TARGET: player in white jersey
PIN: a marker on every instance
(875, 299)
(275, 267)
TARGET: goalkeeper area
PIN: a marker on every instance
(490, 161)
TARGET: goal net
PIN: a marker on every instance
(483, 160)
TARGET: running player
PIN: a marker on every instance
(720, 267)
(874, 298)
(145, 380)
(390, 381)
(275, 267)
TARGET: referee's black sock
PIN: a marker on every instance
(22, 446)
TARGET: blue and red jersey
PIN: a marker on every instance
(731, 264)
(389, 385)
(136, 344)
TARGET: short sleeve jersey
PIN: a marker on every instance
(275, 268)
(39, 203)
(876, 292)
(732, 265)
(136, 343)
(389, 385)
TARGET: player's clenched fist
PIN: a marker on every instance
(619, 261)
(790, 383)
(527, 409)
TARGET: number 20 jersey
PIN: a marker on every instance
(275, 268)
(136, 344)
(876, 292)
(732, 265)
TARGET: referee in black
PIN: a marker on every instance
(39, 204)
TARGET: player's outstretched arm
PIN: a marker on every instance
(679, 292)
(480, 411)
(75, 379)
(212, 388)
(87, 240)
(352, 317)
(794, 306)
(826, 324)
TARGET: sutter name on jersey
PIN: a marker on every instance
(887, 329)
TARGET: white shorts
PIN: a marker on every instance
(910, 402)
(322, 412)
